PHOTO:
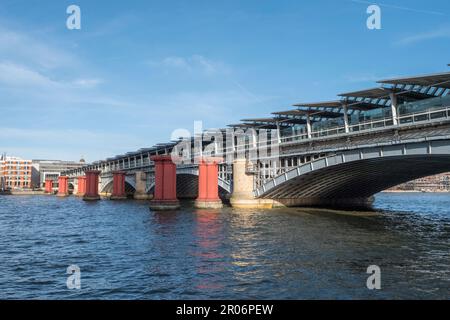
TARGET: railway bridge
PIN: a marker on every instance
(332, 153)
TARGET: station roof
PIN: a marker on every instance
(441, 80)
(324, 114)
(257, 126)
(374, 93)
(324, 104)
(282, 121)
(411, 95)
(266, 120)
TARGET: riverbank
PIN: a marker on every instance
(22, 193)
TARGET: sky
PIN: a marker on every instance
(138, 70)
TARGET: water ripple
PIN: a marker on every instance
(125, 251)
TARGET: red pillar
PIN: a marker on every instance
(48, 186)
(81, 186)
(208, 183)
(118, 186)
(165, 195)
(63, 186)
(92, 177)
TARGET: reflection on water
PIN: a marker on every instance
(126, 251)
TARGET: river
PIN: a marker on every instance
(125, 251)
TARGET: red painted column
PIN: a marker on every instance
(202, 180)
(208, 184)
(48, 186)
(165, 195)
(118, 186)
(81, 186)
(63, 186)
(92, 177)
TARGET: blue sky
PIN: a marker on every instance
(137, 70)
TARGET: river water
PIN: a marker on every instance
(125, 251)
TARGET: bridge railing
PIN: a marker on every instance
(411, 118)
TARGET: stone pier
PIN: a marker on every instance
(63, 186)
(165, 196)
(49, 186)
(118, 186)
(92, 178)
(141, 184)
(242, 196)
(208, 186)
(81, 186)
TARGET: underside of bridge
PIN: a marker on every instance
(354, 183)
(187, 187)
(108, 189)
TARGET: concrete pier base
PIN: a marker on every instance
(199, 204)
(251, 203)
(164, 205)
(62, 195)
(142, 196)
(242, 196)
(91, 198)
(118, 198)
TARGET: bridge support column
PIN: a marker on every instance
(63, 186)
(394, 108)
(141, 184)
(208, 184)
(81, 189)
(92, 178)
(242, 196)
(165, 197)
(118, 186)
(49, 186)
(308, 126)
(346, 124)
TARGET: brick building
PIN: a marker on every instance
(15, 173)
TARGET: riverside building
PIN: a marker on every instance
(16, 173)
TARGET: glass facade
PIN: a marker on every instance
(375, 118)
(424, 105)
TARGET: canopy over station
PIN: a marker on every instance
(408, 92)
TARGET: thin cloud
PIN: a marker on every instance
(193, 64)
(425, 36)
(17, 75)
(401, 7)
(20, 46)
(87, 83)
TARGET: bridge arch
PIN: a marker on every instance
(352, 177)
(107, 185)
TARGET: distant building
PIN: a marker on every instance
(15, 173)
(437, 183)
(51, 169)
